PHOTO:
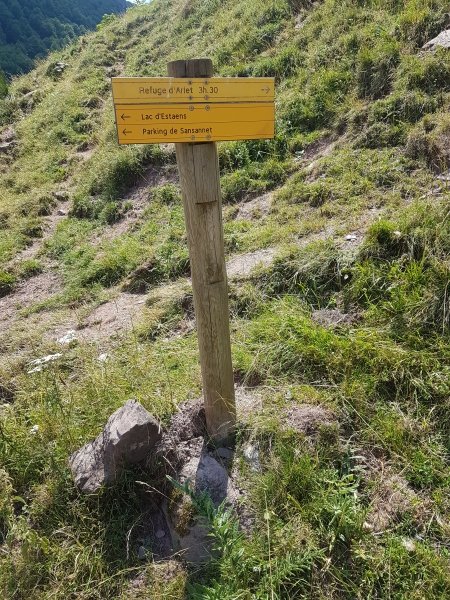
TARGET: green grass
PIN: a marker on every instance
(348, 73)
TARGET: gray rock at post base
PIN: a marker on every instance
(442, 40)
(128, 437)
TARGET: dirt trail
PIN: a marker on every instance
(33, 290)
(51, 222)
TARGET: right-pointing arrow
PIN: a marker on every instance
(266, 89)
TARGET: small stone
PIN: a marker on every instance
(160, 533)
(409, 544)
(61, 195)
(225, 453)
(102, 357)
(397, 233)
(38, 363)
(351, 237)
(142, 553)
(61, 213)
(34, 429)
(251, 457)
(68, 338)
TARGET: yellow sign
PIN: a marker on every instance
(160, 90)
(167, 123)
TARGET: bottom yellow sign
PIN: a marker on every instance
(160, 124)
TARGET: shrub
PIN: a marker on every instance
(7, 283)
(167, 194)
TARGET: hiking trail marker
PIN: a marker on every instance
(194, 110)
(164, 109)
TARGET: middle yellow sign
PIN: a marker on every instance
(167, 123)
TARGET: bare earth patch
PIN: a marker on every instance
(332, 317)
(242, 265)
(112, 318)
(308, 418)
(29, 292)
(391, 498)
(50, 224)
(256, 208)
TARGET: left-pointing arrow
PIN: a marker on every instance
(125, 132)
(124, 116)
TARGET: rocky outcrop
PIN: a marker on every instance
(441, 40)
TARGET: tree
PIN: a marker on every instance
(3, 85)
(27, 33)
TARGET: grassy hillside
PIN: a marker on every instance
(345, 219)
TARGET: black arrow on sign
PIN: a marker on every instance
(124, 116)
(125, 132)
(266, 89)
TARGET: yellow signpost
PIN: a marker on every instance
(194, 109)
(165, 123)
(156, 90)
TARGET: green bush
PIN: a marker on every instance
(167, 194)
(7, 283)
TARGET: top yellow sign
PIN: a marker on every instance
(155, 90)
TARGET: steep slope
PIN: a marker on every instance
(30, 29)
(337, 236)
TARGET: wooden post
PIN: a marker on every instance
(198, 166)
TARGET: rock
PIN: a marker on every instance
(61, 213)
(225, 453)
(409, 544)
(8, 135)
(61, 196)
(204, 473)
(103, 357)
(212, 478)
(251, 457)
(142, 553)
(68, 338)
(443, 40)
(130, 434)
(39, 363)
(351, 237)
(30, 94)
(6, 147)
(7, 392)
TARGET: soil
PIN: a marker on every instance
(308, 418)
(392, 497)
(29, 292)
(333, 318)
(255, 209)
(112, 318)
(242, 265)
